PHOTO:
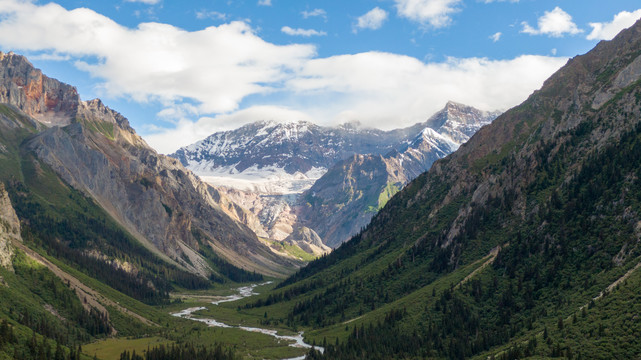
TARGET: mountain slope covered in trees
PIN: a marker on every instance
(524, 242)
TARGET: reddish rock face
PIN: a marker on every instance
(48, 100)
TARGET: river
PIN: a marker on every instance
(243, 292)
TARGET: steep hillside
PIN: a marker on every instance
(511, 247)
(93, 149)
(343, 200)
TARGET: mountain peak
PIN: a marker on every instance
(13, 57)
(455, 105)
(47, 100)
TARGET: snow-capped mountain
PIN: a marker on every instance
(330, 180)
(295, 147)
(442, 134)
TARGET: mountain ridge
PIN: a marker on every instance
(95, 150)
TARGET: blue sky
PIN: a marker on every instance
(180, 70)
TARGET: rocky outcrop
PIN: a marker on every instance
(43, 98)
(308, 240)
(9, 228)
(626, 77)
(345, 198)
(94, 149)
(271, 217)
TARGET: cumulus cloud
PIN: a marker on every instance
(496, 37)
(435, 13)
(381, 90)
(372, 20)
(216, 66)
(206, 74)
(608, 30)
(314, 13)
(389, 90)
(555, 23)
(50, 57)
(302, 32)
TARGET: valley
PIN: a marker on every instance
(470, 234)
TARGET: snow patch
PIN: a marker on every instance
(268, 180)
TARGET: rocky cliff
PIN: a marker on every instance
(9, 228)
(162, 204)
(43, 98)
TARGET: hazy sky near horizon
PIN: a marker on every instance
(181, 70)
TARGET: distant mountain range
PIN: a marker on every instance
(329, 180)
(293, 147)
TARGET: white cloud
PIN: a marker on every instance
(496, 37)
(381, 90)
(50, 57)
(555, 23)
(217, 66)
(435, 13)
(607, 31)
(372, 20)
(215, 15)
(210, 71)
(387, 90)
(314, 13)
(302, 32)
(265, 2)
(150, 2)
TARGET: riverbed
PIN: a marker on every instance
(243, 292)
